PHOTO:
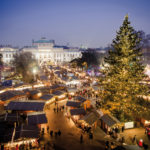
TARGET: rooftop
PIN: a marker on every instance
(43, 40)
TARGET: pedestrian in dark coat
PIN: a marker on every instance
(81, 138)
(59, 133)
(134, 139)
(122, 128)
(51, 132)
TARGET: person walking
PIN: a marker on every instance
(59, 132)
(134, 139)
(55, 134)
(47, 129)
(122, 128)
(51, 133)
(81, 138)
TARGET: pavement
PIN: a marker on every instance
(70, 134)
(128, 134)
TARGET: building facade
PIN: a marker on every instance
(7, 53)
(45, 50)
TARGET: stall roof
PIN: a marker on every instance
(26, 131)
(58, 93)
(36, 118)
(90, 118)
(10, 94)
(80, 98)
(12, 117)
(73, 104)
(26, 105)
(55, 86)
(34, 92)
(109, 120)
(78, 111)
(46, 97)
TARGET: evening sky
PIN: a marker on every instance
(92, 23)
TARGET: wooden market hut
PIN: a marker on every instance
(56, 87)
(26, 106)
(35, 94)
(48, 98)
(107, 122)
(8, 96)
(73, 104)
(37, 118)
(59, 95)
(85, 102)
(90, 120)
(77, 113)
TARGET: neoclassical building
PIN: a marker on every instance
(7, 53)
(43, 50)
(46, 50)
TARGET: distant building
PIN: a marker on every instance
(7, 53)
(46, 50)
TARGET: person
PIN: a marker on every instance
(47, 129)
(145, 146)
(122, 128)
(55, 134)
(91, 136)
(141, 143)
(17, 147)
(81, 138)
(123, 140)
(134, 139)
(112, 146)
(106, 147)
(59, 132)
(107, 143)
(51, 132)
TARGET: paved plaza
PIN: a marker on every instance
(70, 134)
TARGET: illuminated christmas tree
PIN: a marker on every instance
(123, 72)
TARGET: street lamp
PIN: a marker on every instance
(34, 73)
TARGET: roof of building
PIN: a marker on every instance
(55, 86)
(46, 97)
(73, 104)
(33, 92)
(109, 120)
(36, 118)
(26, 131)
(80, 98)
(78, 111)
(10, 94)
(12, 117)
(43, 40)
(26, 105)
(90, 118)
(58, 93)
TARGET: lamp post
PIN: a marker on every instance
(34, 73)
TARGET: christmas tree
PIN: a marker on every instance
(123, 73)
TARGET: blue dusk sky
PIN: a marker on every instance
(92, 23)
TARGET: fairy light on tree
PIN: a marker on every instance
(124, 72)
